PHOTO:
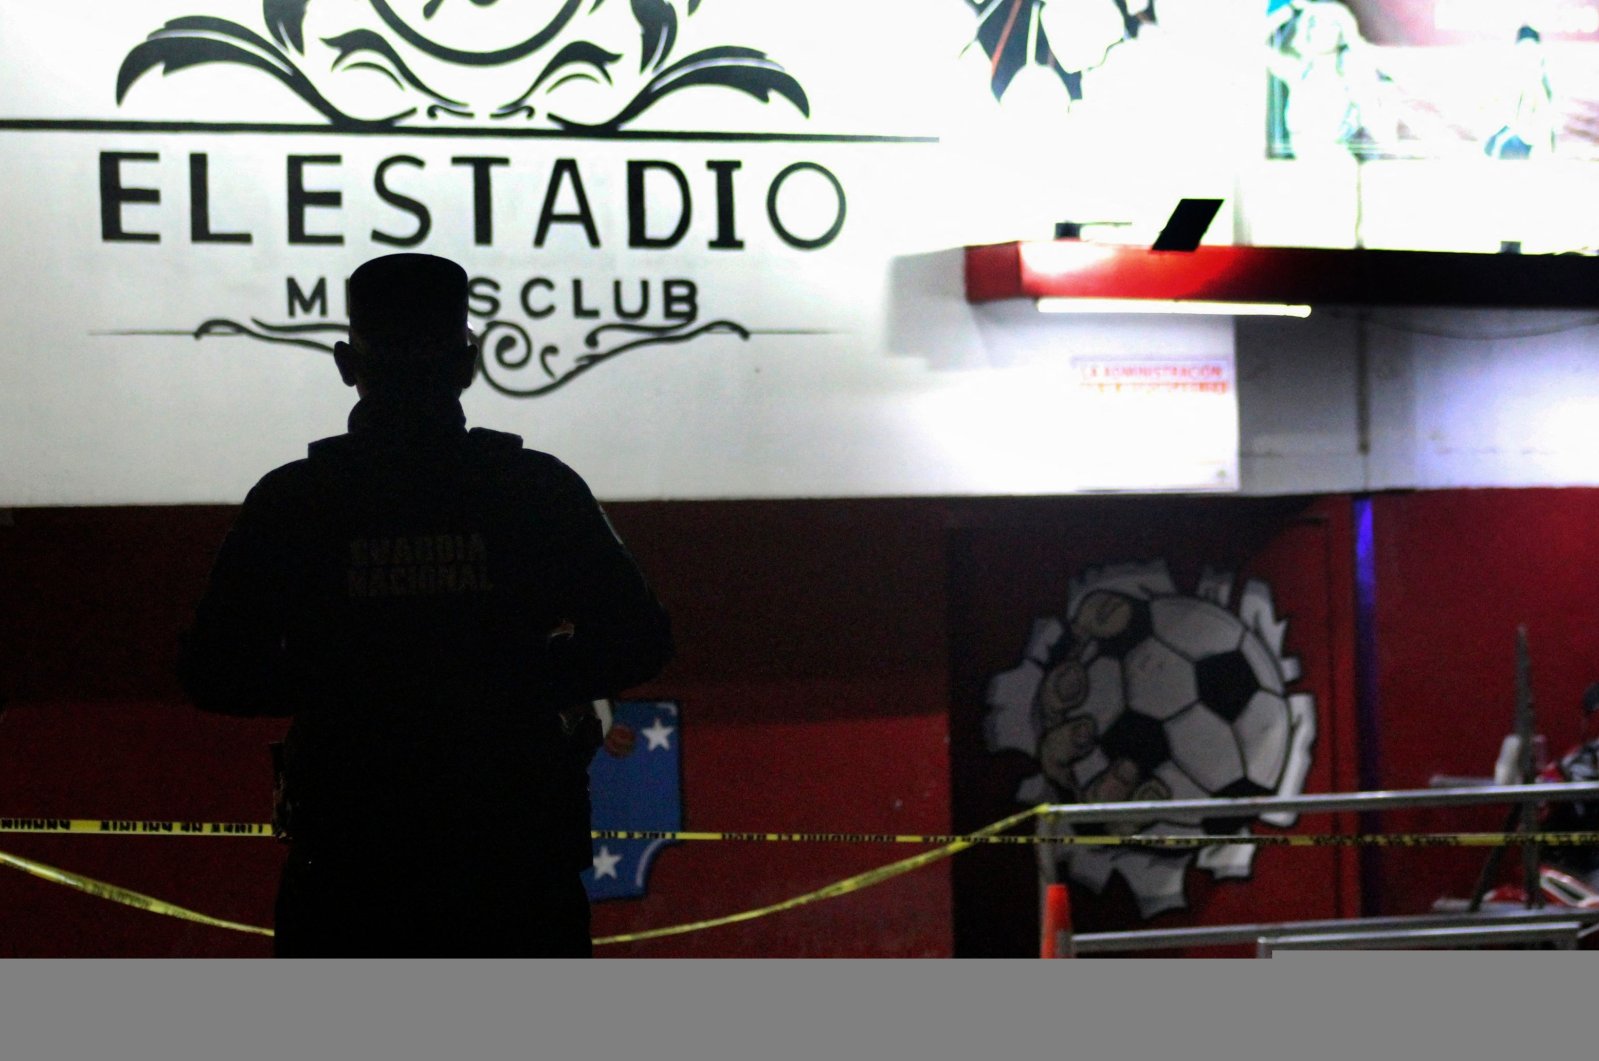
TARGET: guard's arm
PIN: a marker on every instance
(621, 636)
(232, 659)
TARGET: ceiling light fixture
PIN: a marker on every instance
(1150, 305)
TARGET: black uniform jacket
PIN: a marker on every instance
(396, 593)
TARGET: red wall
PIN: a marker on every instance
(811, 671)
(1457, 572)
(833, 662)
(1011, 563)
(90, 604)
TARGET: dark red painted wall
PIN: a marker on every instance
(1457, 572)
(812, 675)
(812, 672)
(1011, 563)
(834, 657)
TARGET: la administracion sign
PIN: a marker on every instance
(712, 245)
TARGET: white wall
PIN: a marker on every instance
(1477, 398)
(863, 371)
(866, 372)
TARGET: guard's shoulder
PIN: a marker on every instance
(488, 440)
(282, 486)
(508, 446)
(285, 477)
(324, 448)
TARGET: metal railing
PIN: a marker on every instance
(1226, 935)
(1562, 935)
(1324, 803)
(1562, 926)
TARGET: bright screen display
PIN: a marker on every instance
(1433, 79)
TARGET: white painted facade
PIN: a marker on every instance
(851, 368)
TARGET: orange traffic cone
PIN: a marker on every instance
(1057, 934)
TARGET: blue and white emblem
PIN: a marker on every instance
(635, 782)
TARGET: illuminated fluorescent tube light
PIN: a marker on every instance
(1150, 305)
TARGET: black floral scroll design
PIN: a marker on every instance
(509, 360)
(499, 56)
(1003, 32)
(514, 365)
(285, 19)
(199, 39)
(581, 61)
(290, 334)
(742, 69)
(280, 52)
(358, 41)
(733, 67)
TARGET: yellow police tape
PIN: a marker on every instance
(158, 906)
(122, 895)
(831, 891)
(1139, 840)
(129, 827)
(987, 835)
(949, 844)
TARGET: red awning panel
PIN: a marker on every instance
(1078, 269)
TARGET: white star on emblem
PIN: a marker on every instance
(658, 735)
(605, 863)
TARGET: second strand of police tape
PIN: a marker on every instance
(87, 826)
(948, 844)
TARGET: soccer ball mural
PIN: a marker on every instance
(1144, 693)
